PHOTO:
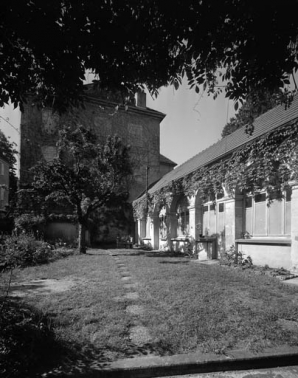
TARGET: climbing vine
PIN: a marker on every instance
(267, 163)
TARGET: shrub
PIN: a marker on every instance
(30, 223)
(24, 250)
(232, 257)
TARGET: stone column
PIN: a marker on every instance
(172, 224)
(154, 231)
(239, 216)
(192, 221)
(229, 223)
(141, 230)
(294, 229)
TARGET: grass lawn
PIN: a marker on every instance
(188, 306)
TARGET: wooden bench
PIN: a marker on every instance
(124, 242)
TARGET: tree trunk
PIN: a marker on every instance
(82, 238)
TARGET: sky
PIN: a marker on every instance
(193, 121)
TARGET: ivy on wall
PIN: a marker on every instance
(267, 163)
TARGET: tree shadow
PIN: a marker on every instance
(30, 347)
(174, 262)
(160, 254)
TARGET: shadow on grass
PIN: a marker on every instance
(30, 348)
(153, 254)
(174, 262)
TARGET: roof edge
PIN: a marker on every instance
(130, 108)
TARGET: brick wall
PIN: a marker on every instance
(138, 127)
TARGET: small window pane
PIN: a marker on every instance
(275, 217)
(248, 220)
(288, 218)
(205, 220)
(260, 219)
(212, 222)
(221, 207)
(221, 221)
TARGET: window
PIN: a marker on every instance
(263, 220)
(214, 216)
(209, 219)
(1, 169)
(182, 217)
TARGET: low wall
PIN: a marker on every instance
(67, 232)
(274, 253)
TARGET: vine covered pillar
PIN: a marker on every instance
(233, 220)
(154, 230)
(239, 216)
(192, 217)
(229, 223)
(294, 228)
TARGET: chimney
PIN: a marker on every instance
(141, 99)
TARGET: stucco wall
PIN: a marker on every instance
(67, 232)
(275, 256)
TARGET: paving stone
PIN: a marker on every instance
(125, 278)
(135, 309)
(119, 299)
(130, 286)
(131, 295)
(139, 335)
(125, 274)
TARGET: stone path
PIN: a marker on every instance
(139, 335)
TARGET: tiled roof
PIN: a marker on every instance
(268, 121)
(165, 160)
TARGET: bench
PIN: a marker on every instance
(124, 242)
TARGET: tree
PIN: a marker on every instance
(256, 104)
(46, 47)
(8, 152)
(86, 174)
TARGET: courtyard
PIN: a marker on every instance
(113, 304)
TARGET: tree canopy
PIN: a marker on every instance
(86, 174)
(47, 46)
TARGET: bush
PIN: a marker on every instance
(24, 250)
(30, 223)
(231, 257)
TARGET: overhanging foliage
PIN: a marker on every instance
(47, 46)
